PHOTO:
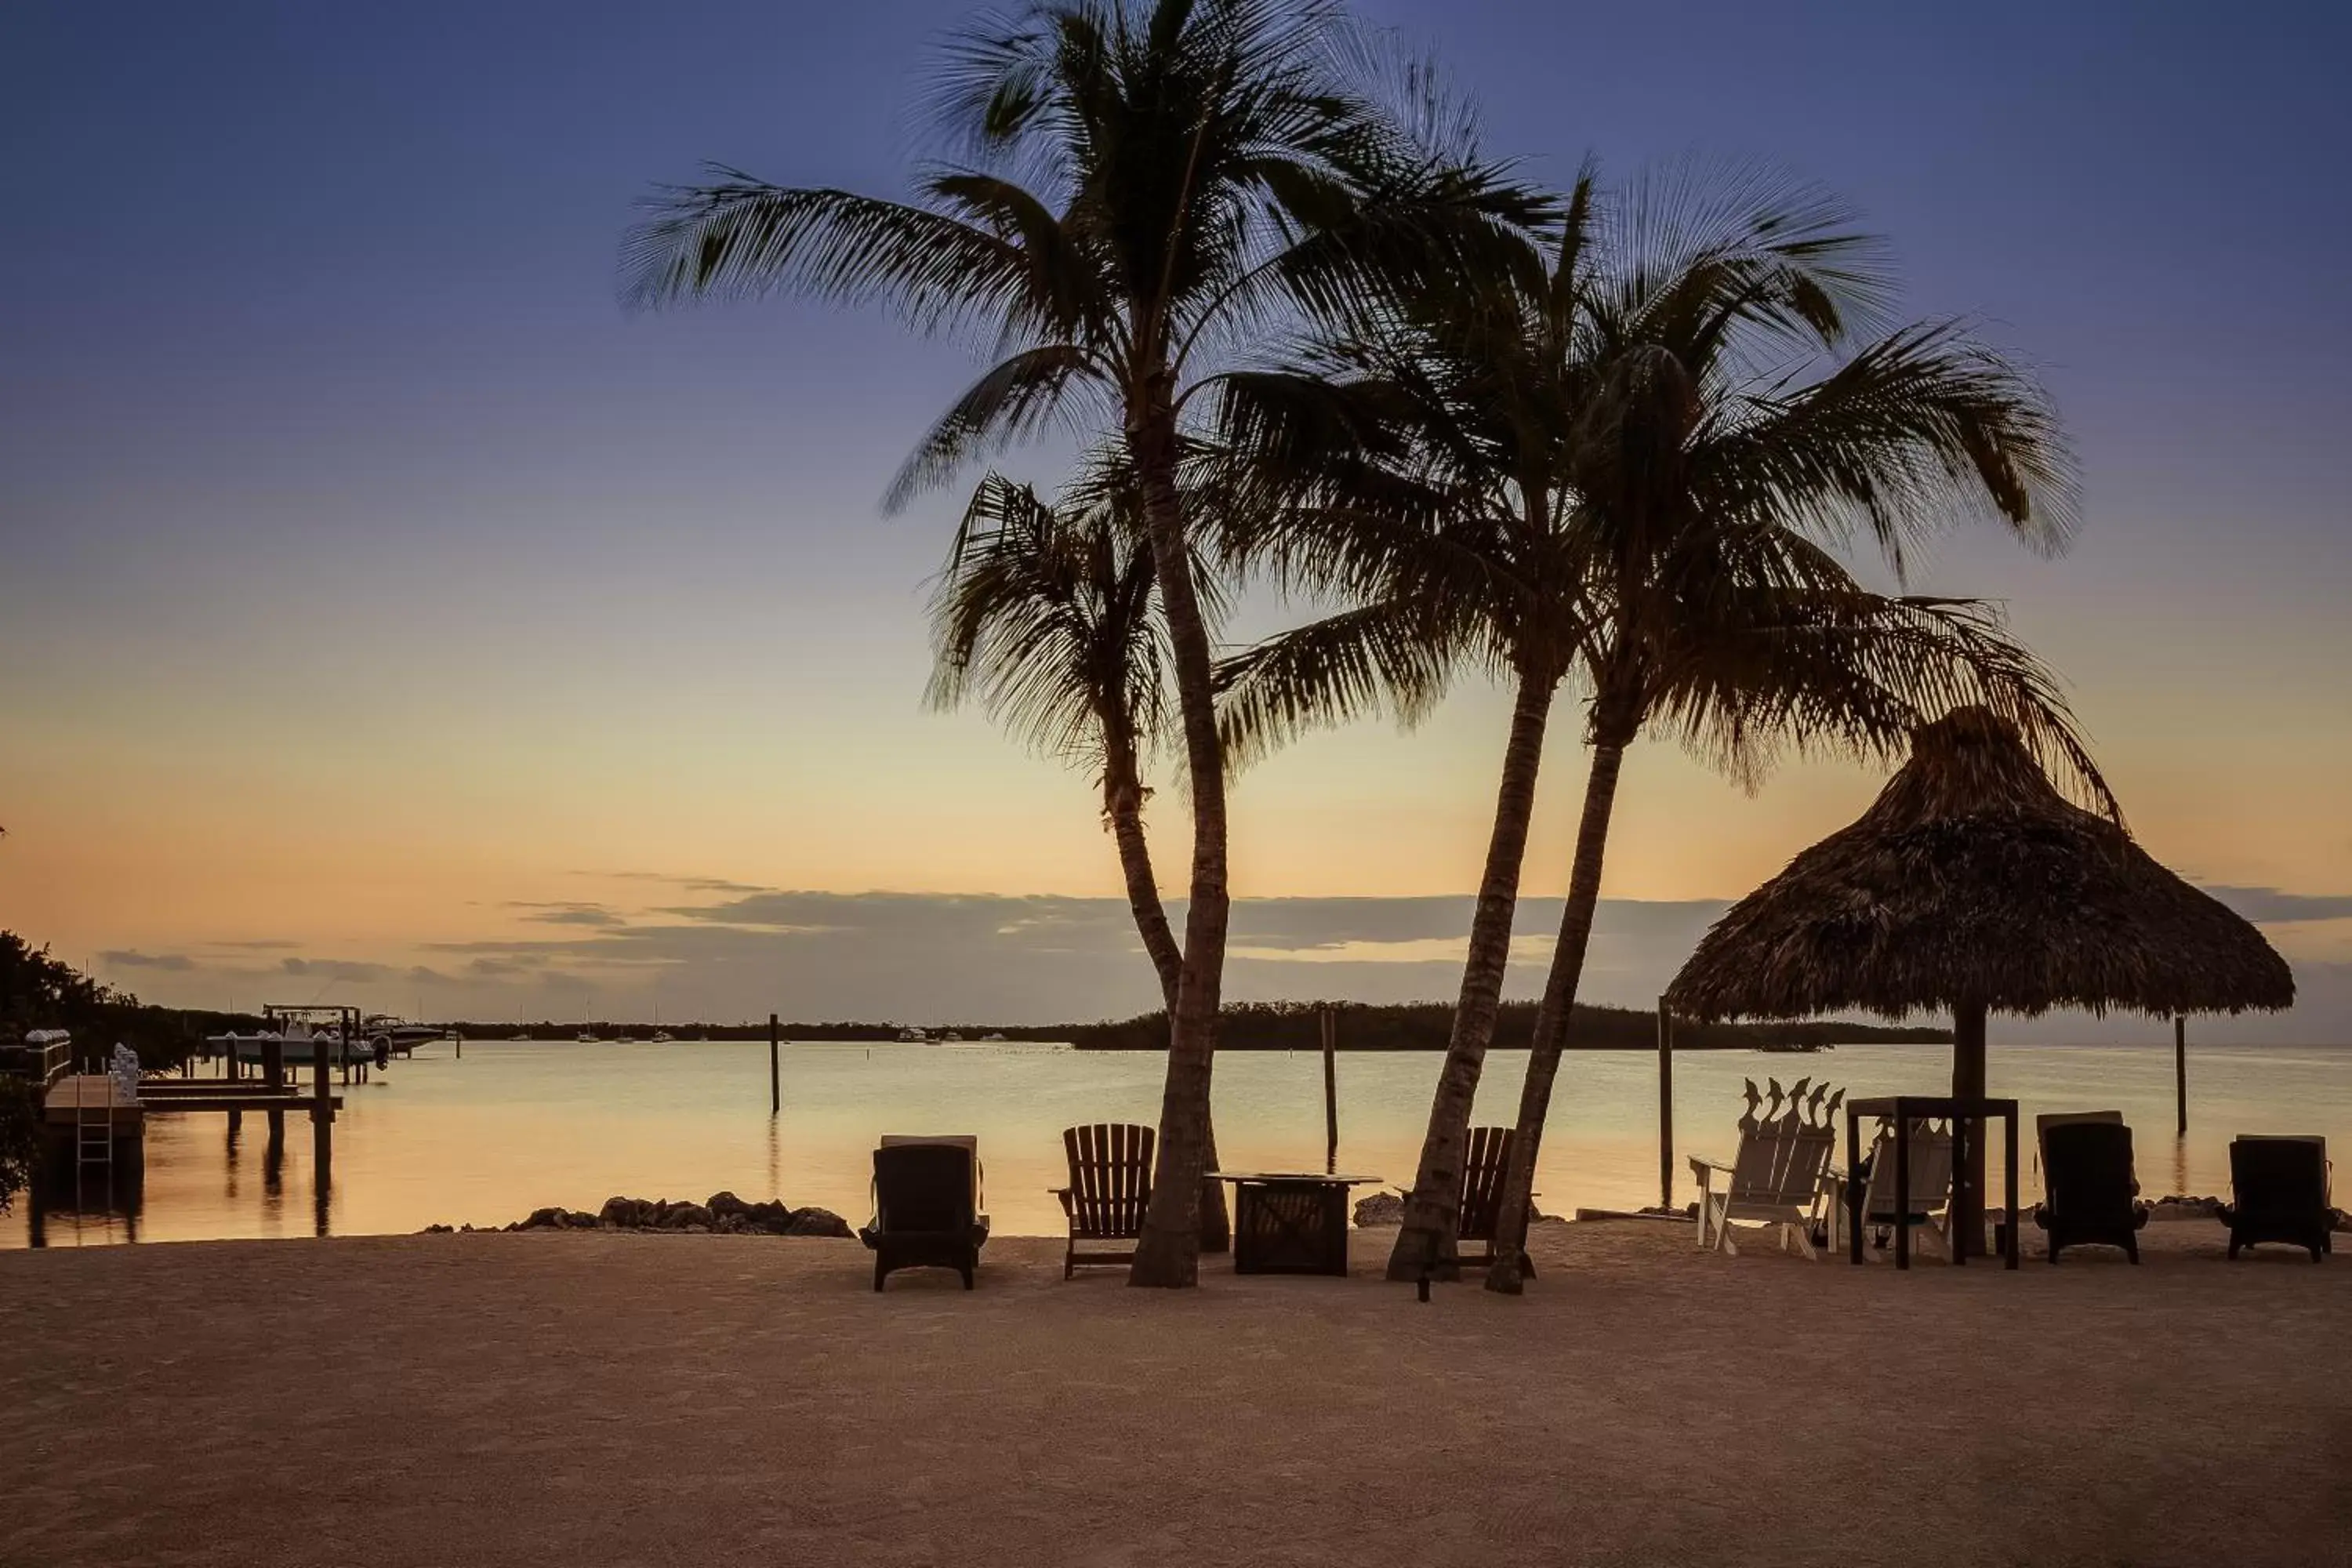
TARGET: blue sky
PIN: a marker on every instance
(371, 573)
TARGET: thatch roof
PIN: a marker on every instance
(1971, 880)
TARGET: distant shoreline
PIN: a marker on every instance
(1275, 1026)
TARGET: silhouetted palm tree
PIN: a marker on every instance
(1594, 464)
(1146, 190)
(1047, 615)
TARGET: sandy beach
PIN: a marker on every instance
(618, 1399)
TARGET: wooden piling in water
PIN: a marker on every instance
(1665, 1106)
(1330, 1091)
(322, 1118)
(775, 1066)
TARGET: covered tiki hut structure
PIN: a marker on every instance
(1972, 885)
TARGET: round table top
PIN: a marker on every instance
(1334, 1181)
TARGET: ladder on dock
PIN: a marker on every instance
(93, 1141)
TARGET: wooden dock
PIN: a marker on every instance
(97, 1097)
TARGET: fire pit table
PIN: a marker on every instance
(1290, 1222)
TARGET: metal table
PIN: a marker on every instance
(1290, 1222)
(1966, 1115)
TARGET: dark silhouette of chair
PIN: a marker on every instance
(2093, 1199)
(926, 1207)
(1110, 1188)
(2280, 1188)
(1483, 1167)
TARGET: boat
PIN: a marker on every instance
(296, 1047)
(951, 1038)
(661, 1037)
(398, 1035)
(587, 1038)
(992, 1038)
(912, 1037)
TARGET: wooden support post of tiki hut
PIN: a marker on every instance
(2180, 1072)
(1971, 886)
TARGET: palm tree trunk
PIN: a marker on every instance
(1552, 1015)
(1432, 1209)
(1168, 1253)
(1123, 804)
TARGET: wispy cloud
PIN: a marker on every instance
(2268, 906)
(132, 958)
(569, 915)
(691, 884)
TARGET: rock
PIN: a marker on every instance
(725, 1204)
(2344, 1221)
(2178, 1206)
(439, 1230)
(1380, 1208)
(543, 1219)
(685, 1216)
(815, 1221)
(772, 1216)
(626, 1214)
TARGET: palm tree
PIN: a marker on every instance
(1709, 478)
(1146, 188)
(1465, 515)
(1049, 616)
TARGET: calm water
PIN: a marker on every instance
(512, 1127)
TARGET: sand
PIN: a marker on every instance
(614, 1399)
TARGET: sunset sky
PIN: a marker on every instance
(389, 617)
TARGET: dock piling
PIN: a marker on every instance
(322, 1118)
(1665, 1106)
(1331, 1090)
(775, 1066)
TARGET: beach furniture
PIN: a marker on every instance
(926, 1206)
(1776, 1176)
(1486, 1163)
(2278, 1188)
(1290, 1222)
(1927, 1208)
(1110, 1187)
(2092, 1198)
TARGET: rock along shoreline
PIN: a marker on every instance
(723, 1213)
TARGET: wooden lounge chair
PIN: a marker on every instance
(1928, 1208)
(2279, 1188)
(1110, 1188)
(926, 1207)
(1775, 1178)
(2093, 1199)
(1483, 1168)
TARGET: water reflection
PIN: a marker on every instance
(514, 1126)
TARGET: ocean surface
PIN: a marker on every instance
(515, 1126)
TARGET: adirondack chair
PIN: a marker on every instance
(2278, 1188)
(1110, 1186)
(1775, 1177)
(927, 1212)
(2094, 1198)
(1929, 1205)
(1487, 1163)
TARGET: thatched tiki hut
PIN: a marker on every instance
(1971, 885)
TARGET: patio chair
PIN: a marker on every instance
(1775, 1176)
(1487, 1161)
(1110, 1188)
(1928, 1208)
(926, 1206)
(2093, 1199)
(2279, 1188)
